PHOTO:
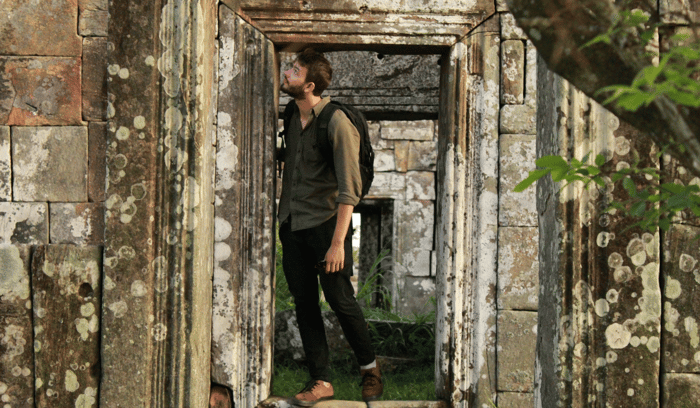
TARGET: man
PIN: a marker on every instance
(315, 214)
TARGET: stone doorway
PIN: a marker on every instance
(245, 365)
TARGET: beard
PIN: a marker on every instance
(296, 92)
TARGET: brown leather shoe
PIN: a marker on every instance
(314, 391)
(372, 386)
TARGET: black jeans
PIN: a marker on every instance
(302, 250)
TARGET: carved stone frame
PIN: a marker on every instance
(159, 239)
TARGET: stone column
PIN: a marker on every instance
(600, 300)
(468, 220)
(158, 213)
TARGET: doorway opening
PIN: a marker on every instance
(394, 225)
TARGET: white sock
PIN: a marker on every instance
(368, 366)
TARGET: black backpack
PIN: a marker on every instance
(324, 118)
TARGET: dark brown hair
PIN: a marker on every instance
(318, 68)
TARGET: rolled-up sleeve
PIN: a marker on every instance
(345, 142)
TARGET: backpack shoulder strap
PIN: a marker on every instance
(287, 115)
(324, 119)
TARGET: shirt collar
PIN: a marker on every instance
(319, 106)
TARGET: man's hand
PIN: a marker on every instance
(335, 258)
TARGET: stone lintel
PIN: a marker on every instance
(388, 185)
(408, 130)
(50, 163)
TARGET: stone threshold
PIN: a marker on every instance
(279, 402)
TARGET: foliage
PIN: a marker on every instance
(651, 201)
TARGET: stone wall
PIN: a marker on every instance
(53, 108)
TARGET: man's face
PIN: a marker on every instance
(294, 81)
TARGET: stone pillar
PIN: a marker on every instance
(600, 321)
(244, 247)
(158, 212)
(467, 211)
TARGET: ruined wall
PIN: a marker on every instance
(623, 332)
(53, 107)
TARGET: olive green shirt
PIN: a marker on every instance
(311, 190)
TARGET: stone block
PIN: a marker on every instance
(517, 336)
(388, 185)
(510, 29)
(518, 119)
(680, 390)
(66, 292)
(517, 157)
(384, 160)
(94, 18)
(422, 156)
(420, 185)
(401, 153)
(416, 295)
(24, 223)
(288, 340)
(414, 223)
(94, 79)
(530, 74)
(681, 306)
(77, 223)
(50, 163)
(46, 29)
(515, 400)
(37, 91)
(518, 268)
(408, 130)
(16, 339)
(414, 261)
(375, 136)
(513, 72)
(501, 6)
(97, 161)
(679, 11)
(5, 165)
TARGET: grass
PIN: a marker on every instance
(410, 384)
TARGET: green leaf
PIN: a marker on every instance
(593, 171)
(558, 173)
(599, 160)
(531, 178)
(665, 224)
(673, 188)
(629, 185)
(551, 162)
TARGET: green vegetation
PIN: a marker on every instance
(415, 382)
